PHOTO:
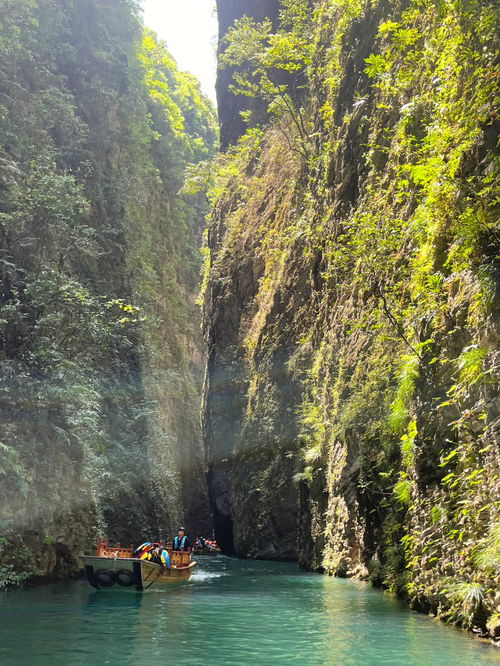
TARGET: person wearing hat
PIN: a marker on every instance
(181, 541)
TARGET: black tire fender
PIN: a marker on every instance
(125, 578)
(105, 578)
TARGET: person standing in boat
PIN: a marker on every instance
(181, 541)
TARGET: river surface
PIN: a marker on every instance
(232, 612)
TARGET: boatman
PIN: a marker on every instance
(181, 541)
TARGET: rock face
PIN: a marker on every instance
(351, 313)
(228, 11)
(101, 354)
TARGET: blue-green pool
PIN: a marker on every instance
(231, 612)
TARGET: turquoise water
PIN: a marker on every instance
(231, 612)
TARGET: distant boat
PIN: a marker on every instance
(114, 567)
(206, 550)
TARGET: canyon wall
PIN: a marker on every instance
(351, 307)
(101, 353)
(230, 105)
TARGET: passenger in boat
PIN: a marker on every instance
(160, 556)
(181, 541)
(143, 551)
(212, 545)
(153, 552)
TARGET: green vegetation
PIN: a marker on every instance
(270, 66)
(367, 339)
(99, 260)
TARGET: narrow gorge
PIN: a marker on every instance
(276, 323)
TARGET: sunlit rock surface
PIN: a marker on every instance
(351, 315)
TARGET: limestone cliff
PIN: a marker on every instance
(351, 315)
(100, 353)
(228, 11)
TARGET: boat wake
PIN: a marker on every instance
(198, 576)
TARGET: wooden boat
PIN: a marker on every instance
(205, 550)
(114, 567)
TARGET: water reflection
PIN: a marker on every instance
(110, 624)
(367, 626)
(231, 612)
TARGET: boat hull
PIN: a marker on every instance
(132, 573)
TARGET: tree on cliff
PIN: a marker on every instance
(271, 66)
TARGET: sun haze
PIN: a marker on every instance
(189, 28)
